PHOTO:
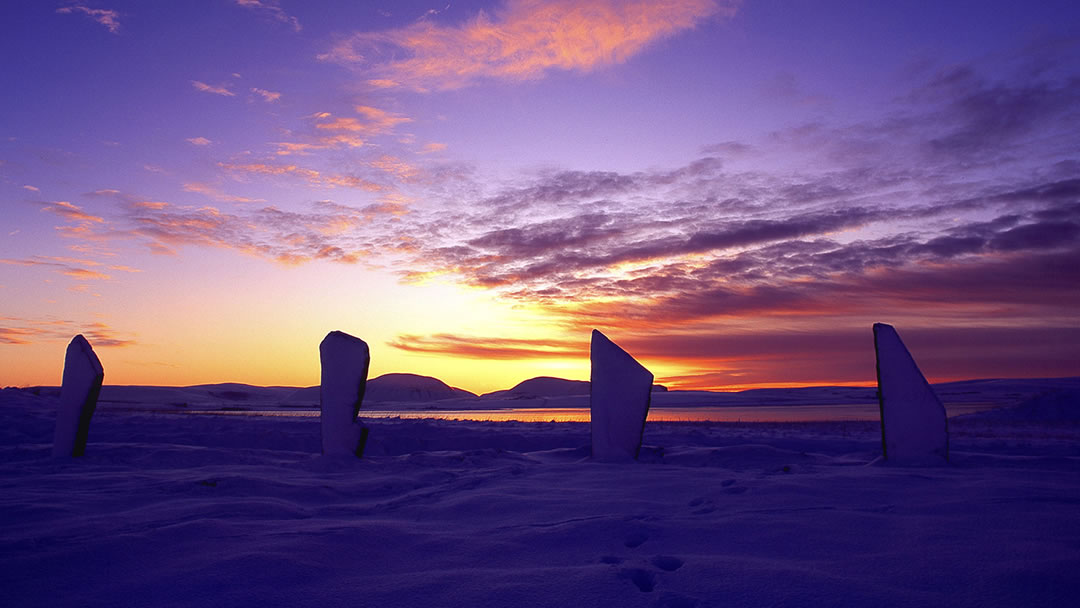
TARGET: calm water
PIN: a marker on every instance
(761, 413)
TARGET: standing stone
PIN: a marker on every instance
(344, 360)
(914, 427)
(619, 393)
(79, 392)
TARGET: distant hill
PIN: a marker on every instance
(404, 390)
(543, 386)
(392, 387)
(547, 386)
(411, 387)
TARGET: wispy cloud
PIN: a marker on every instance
(198, 141)
(271, 9)
(312, 176)
(106, 17)
(29, 331)
(268, 96)
(17, 335)
(217, 194)
(216, 90)
(68, 267)
(491, 347)
(31, 188)
(324, 231)
(344, 131)
(71, 212)
(522, 40)
(373, 121)
(395, 166)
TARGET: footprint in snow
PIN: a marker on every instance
(667, 563)
(635, 539)
(643, 579)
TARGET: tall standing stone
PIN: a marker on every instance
(914, 427)
(79, 392)
(344, 361)
(619, 393)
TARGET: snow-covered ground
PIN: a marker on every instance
(204, 510)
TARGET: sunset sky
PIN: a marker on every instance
(733, 191)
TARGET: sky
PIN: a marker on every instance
(733, 191)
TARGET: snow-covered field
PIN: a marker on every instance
(206, 510)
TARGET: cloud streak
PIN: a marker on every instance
(347, 132)
(69, 267)
(522, 40)
(21, 331)
(267, 96)
(311, 176)
(106, 17)
(324, 231)
(215, 90)
(271, 9)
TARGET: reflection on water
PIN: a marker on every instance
(761, 413)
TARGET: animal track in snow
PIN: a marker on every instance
(643, 579)
(635, 539)
(667, 563)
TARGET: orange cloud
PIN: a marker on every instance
(66, 266)
(267, 169)
(348, 140)
(268, 96)
(151, 204)
(285, 148)
(215, 193)
(433, 147)
(199, 141)
(349, 181)
(343, 139)
(491, 347)
(17, 335)
(206, 88)
(376, 121)
(286, 237)
(395, 166)
(523, 40)
(310, 175)
(123, 268)
(71, 212)
(84, 274)
(28, 331)
(344, 131)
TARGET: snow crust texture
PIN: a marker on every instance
(189, 511)
(79, 392)
(345, 360)
(620, 392)
(914, 427)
